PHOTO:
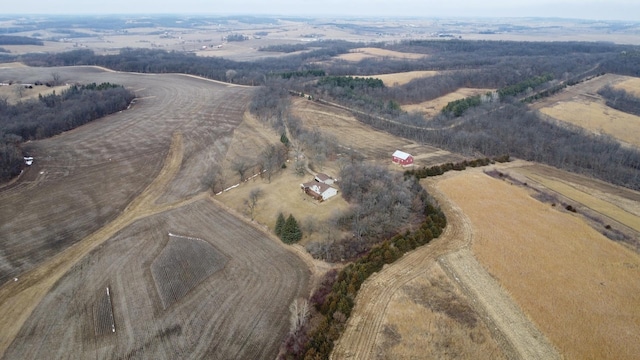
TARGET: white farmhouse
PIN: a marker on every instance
(318, 190)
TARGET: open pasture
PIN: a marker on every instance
(433, 107)
(593, 115)
(367, 53)
(236, 309)
(398, 79)
(578, 287)
(631, 84)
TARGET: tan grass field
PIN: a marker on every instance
(10, 93)
(397, 79)
(578, 287)
(365, 53)
(606, 208)
(374, 145)
(431, 309)
(632, 85)
(433, 107)
(595, 116)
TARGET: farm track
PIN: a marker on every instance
(518, 337)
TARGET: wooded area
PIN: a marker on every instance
(52, 114)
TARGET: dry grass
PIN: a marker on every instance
(10, 93)
(398, 79)
(433, 107)
(631, 84)
(372, 144)
(431, 309)
(606, 208)
(365, 53)
(593, 115)
(577, 286)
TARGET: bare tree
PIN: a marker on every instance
(272, 158)
(241, 166)
(299, 314)
(214, 179)
(19, 89)
(55, 78)
(252, 201)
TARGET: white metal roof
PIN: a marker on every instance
(401, 154)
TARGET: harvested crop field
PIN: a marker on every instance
(578, 287)
(366, 53)
(433, 107)
(397, 79)
(95, 212)
(237, 309)
(595, 116)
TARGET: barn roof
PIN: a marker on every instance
(323, 177)
(401, 154)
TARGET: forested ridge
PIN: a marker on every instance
(52, 114)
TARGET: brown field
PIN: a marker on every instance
(578, 287)
(433, 107)
(365, 53)
(398, 79)
(593, 115)
(10, 93)
(95, 211)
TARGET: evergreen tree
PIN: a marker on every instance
(291, 232)
(279, 225)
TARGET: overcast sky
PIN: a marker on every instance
(582, 9)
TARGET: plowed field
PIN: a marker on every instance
(96, 210)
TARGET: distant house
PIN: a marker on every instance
(28, 160)
(324, 178)
(318, 190)
(402, 158)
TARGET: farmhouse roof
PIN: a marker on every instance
(401, 154)
(322, 187)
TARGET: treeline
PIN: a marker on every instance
(19, 40)
(523, 86)
(437, 170)
(620, 99)
(335, 298)
(285, 48)
(300, 73)
(351, 82)
(458, 107)
(52, 114)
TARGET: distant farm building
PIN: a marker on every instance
(318, 190)
(28, 160)
(324, 178)
(402, 158)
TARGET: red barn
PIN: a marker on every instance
(402, 158)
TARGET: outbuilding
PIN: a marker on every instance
(402, 158)
(324, 178)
